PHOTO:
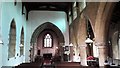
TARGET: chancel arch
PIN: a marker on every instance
(50, 31)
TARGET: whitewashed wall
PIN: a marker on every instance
(36, 18)
(0, 37)
(10, 12)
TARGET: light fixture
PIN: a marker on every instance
(52, 7)
(43, 7)
(1, 42)
(88, 41)
(56, 47)
(21, 45)
(71, 44)
(31, 46)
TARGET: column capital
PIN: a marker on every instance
(101, 47)
(100, 43)
(82, 45)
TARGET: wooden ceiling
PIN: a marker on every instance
(48, 6)
(54, 6)
(116, 13)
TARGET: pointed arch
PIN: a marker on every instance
(44, 26)
(12, 40)
(22, 42)
(90, 30)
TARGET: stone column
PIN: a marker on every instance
(61, 50)
(74, 11)
(119, 45)
(119, 41)
(83, 55)
(81, 36)
(71, 53)
(119, 48)
(102, 53)
(35, 50)
(31, 52)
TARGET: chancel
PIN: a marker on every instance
(73, 34)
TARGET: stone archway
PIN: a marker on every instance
(40, 29)
(90, 34)
(99, 19)
(101, 29)
(114, 34)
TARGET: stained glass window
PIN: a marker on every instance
(47, 40)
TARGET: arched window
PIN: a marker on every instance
(12, 40)
(48, 40)
(22, 42)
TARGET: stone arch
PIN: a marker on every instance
(90, 34)
(22, 42)
(90, 28)
(12, 40)
(114, 33)
(101, 29)
(47, 25)
(39, 30)
(102, 21)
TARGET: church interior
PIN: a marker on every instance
(59, 34)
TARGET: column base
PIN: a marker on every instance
(102, 55)
(83, 55)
